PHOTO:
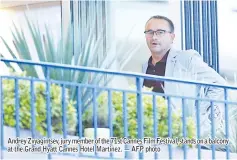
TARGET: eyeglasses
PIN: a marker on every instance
(159, 32)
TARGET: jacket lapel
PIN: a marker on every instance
(169, 70)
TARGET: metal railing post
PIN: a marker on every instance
(139, 112)
(48, 107)
(2, 119)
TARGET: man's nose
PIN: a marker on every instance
(154, 36)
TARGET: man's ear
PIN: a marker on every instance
(173, 36)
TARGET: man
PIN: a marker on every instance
(184, 65)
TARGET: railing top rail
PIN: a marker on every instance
(131, 90)
(113, 72)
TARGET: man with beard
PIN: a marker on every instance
(185, 65)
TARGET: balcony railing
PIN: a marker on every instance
(130, 114)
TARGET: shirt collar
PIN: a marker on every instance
(164, 59)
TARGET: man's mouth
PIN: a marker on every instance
(154, 43)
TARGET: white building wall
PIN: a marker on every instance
(130, 19)
(46, 13)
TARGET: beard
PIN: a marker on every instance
(157, 49)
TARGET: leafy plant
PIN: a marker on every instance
(24, 95)
(67, 52)
(162, 116)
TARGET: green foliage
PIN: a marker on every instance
(64, 51)
(39, 106)
(131, 99)
(162, 112)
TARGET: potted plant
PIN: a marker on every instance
(102, 119)
(65, 51)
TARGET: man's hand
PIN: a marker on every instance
(216, 113)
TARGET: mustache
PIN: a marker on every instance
(155, 42)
